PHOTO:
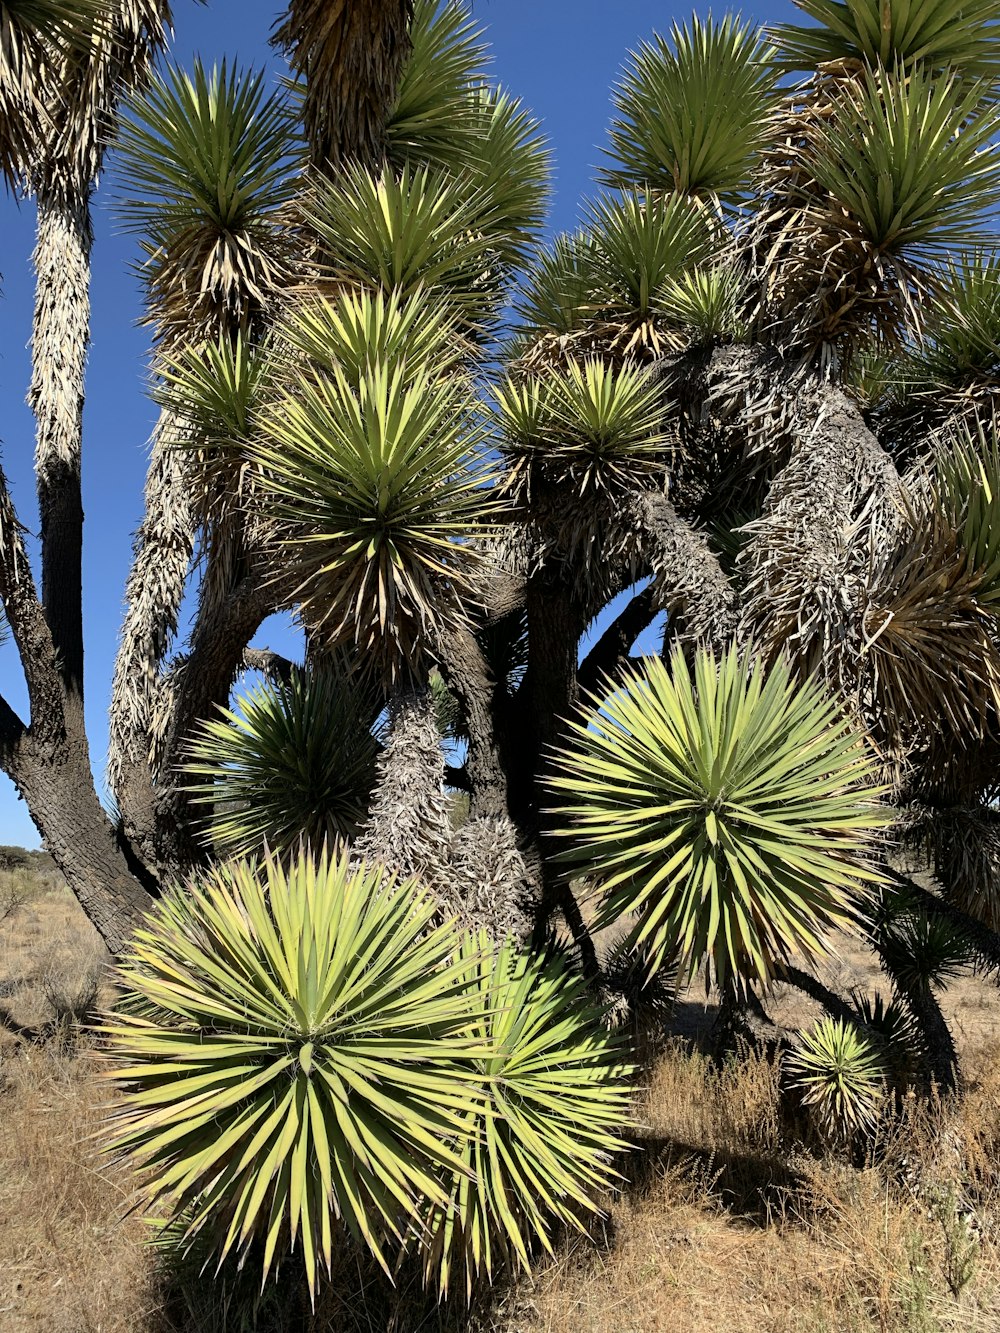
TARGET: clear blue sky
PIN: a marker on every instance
(560, 56)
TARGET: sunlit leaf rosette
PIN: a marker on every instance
(538, 1149)
(205, 167)
(960, 34)
(293, 760)
(839, 1077)
(590, 425)
(377, 485)
(691, 114)
(730, 809)
(293, 1052)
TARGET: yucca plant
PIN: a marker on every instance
(692, 112)
(708, 303)
(940, 34)
(559, 293)
(877, 179)
(378, 488)
(33, 34)
(423, 228)
(293, 1049)
(357, 329)
(729, 808)
(540, 1147)
(450, 116)
(966, 486)
(292, 761)
(641, 244)
(206, 164)
(593, 426)
(838, 1075)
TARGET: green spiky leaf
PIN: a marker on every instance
(291, 760)
(205, 166)
(555, 1096)
(691, 114)
(956, 35)
(838, 1075)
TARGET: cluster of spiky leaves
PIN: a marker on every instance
(838, 1075)
(729, 808)
(589, 426)
(372, 467)
(539, 1147)
(921, 952)
(877, 181)
(291, 761)
(303, 1052)
(692, 113)
(36, 36)
(291, 1056)
(939, 34)
(206, 163)
(448, 115)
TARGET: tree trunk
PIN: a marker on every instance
(57, 784)
(154, 591)
(409, 825)
(59, 341)
(350, 54)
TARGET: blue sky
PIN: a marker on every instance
(561, 56)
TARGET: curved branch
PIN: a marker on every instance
(611, 651)
(835, 1005)
(269, 664)
(687, 576)
(28, 626)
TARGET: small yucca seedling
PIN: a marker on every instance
(539, 1146)
(838, 1075)
(294, 1050)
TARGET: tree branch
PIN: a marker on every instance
(28, 625)
(59, 341)
(269, 664)
(611, 651)
(467, 674)
(687, 577)
(798, 561)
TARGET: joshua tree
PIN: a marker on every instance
(752, 395)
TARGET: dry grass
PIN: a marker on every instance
(724, 1222)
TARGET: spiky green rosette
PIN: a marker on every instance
(839, 1077)
(730, 809)
(539, 1148)
(294, 1055)
(294, 760)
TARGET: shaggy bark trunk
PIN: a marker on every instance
(690, 583)
(350, 54)
(154, 591)
(59, 341)
(797, 564)
(467, 675)
(409, 825)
